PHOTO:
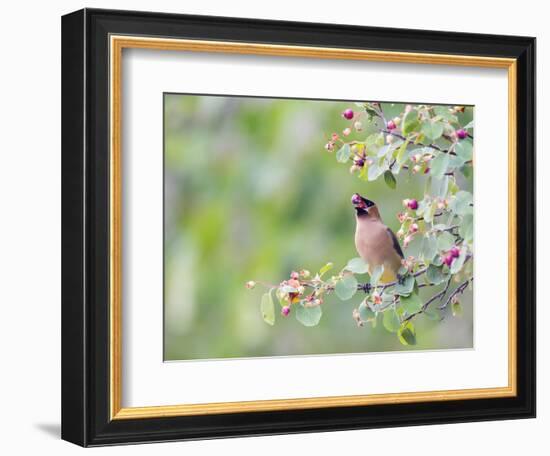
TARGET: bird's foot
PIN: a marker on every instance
(366, 287)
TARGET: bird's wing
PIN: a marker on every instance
(395, 242)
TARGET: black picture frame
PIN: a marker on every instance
(85, 228)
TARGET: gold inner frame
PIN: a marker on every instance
(117, 44)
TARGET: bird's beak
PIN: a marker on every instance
(358, 201)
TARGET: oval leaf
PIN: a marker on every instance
(343, 153)
(346, 288)
(411, 303)
(391, 321)
(389, 178)
(407, 334)
(268, 309)
(405, 286)
(308, 316)
(357, 266)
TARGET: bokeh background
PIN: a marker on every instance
(251, 194)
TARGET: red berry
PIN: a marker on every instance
(461, 133)
(413, 204)
(391, 125)
(285, 311)
(455, 251)
(448, 259)
(348, 114)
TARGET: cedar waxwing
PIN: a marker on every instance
(376, 243)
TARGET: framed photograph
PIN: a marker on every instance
(278, 227)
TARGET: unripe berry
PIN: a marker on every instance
(455, 251)
(441, 204)
(346, 131)
(391, 125)
(400, 233)
(413, 228)
(412, 204)
(329, 146)
(397, 121)
(250, 284)
(294, 275)
(348, 114)
(335, 136)
(416, 168)
(358, 126)
(285, 311)
(407, 240)
(389, 139)
(461, 134)
(406, 202)
(416, 158)
(402, 216)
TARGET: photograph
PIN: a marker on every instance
(300, 227)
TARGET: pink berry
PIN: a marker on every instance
(285, 311)
(391, 125)
(413, 204)
(461, 133)
(294, 275)
(413, 228)
(348, 114)
(455, 251)
(448, 259)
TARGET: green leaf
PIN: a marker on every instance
(267, 308)
(443, 111)
(308, 316)
(436, 275)
(445, 241)
(375, 171)
(375, 275)
(343, 153)
(464, 150)
(432, 130)
(429, 212)
(411, 303)
(429, 247)
(327, 267)
(439, 187)
(391, 321)
(346, 287)
(439, 165)
(389, 178)
(457, 264)
(456, 308)
(461, 203)
(357, 266)
(365, 312)
(469, 125)
(410, 122)
(467, 171)
(466, 228)
(406, 286)
(401, 156)
(407, 334)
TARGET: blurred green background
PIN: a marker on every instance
(251, 194)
